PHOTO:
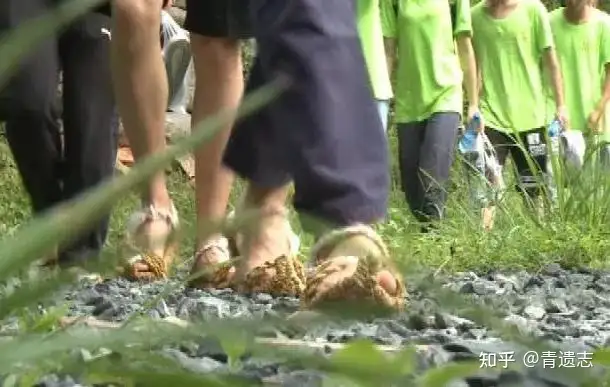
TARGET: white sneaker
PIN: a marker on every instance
(177, 57)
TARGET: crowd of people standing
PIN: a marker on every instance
(517, 66)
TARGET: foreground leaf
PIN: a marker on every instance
(443, 375)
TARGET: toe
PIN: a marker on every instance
(387, 281)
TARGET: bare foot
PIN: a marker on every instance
(344, 258)
(206, 269)
(355, 267)
(152, 232)
(488, 216)
(270, 259)
(272, 239)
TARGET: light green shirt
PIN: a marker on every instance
(583, 51)
(509, 55)
(428, 72)
(371, 38)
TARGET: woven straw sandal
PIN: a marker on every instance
(146, 264)
(284, 276)
(212, 266)
(338, 278)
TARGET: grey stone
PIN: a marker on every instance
(566, 309)
(534, 312)
(484, 288)
(204, 365)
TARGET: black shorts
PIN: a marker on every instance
(529, 153)
(106, 7)
(219, 18)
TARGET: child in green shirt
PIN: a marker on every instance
(421, 37)
(512, 38)
(582, 39)
(371, 38)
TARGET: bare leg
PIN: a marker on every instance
(219, 85)
(344, 183)
(488, 216)
(140, 84)
(269, 237)
(141, 92)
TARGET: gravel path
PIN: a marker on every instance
(570, 310)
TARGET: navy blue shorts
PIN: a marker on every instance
(324, 133)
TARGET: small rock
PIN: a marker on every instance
(263, 298)
(417, 322)
(534, 312)
(187, 308)
(211, 347)
(163, 310)
(552, 270)
(102, 304)
(203, 365)
(555, 305)
(519, 321)
(484, 288)
(533, 281)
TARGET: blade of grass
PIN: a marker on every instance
(32, 292)
(152, 369)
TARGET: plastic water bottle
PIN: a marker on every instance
(472, 150)
(468, 142)
(554, 128)
(554, 131)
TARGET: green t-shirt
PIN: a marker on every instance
(509, 54)
(371, 38)
(428, 72)
(583, 51)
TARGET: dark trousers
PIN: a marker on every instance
(324, 133)
(530, 158)
(425, 154)
(56, 167)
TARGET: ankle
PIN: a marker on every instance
(357, 240)
(213, 240)
(160, 202)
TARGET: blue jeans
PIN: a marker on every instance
(383, 106)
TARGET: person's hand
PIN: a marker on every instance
(562, 117)
(168, 4)
(472, 111)
(593, 121)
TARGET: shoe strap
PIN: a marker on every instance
(152, 213)
(294, 242)
(335, 237)
(220, 244)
